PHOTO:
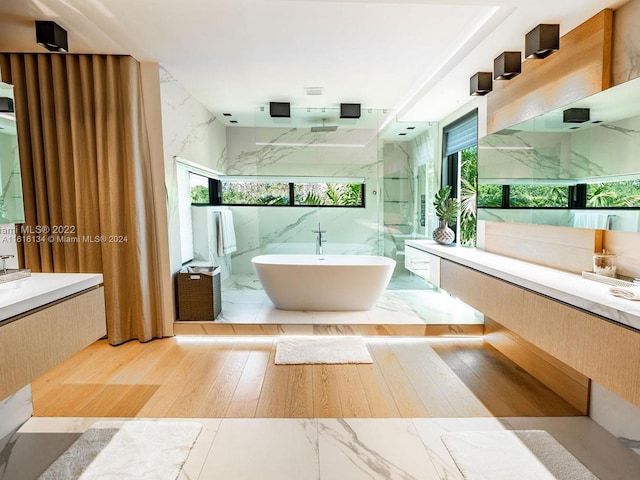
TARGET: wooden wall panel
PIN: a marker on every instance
(564, 248)
(36, 343)
(605, 352)
(625, 245)
(580, 68)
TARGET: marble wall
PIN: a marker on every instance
(608, 150)
(599, 151)
(190, 132)
(426, 154)
(261, 229)
(411, 178)
(626, 42)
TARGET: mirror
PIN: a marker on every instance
(11, 204)
(574, 166)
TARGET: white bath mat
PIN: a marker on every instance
(127, 450)
(321, 349)
(508, 455)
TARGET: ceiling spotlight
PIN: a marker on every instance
(6, 105)
(480, 84)
(279, 109)
(349, 110)
(51, 36)
(542, 41)
(507, 65)
(575, 115)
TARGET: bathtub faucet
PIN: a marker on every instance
(319, 239)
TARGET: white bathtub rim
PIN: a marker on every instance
(293, 259)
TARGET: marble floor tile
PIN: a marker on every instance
(430, 430)
(361, 449)
(435, 307)
(192, 468)
(239, 312)
(60, 424)
(242, 282)
(265, 449)
(597, 449)
(25, 456)
(410, 300)
(326, 449)
(15, 410)
(404, 280)
(245, 296)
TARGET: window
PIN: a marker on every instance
(625, 193)
(199, 188)
(611, 195)
(534, 196)
(254, 193)
(460, 171)
(329, 194)
(288, 191)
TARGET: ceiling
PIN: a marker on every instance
(410, 58)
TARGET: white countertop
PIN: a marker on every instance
(39, 289)
(566, 287)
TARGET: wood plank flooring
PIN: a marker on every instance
(237, 377)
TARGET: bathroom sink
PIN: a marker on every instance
(11, 274)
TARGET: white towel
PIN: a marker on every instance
(630, 293)
(601, 221)
(225, 233)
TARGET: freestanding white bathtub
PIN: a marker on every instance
(324, 282)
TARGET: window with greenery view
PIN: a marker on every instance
(624, 193)
(328, 194)
(264, 192)
(536, 196)
(255, 193)
(199, 188)
(489, 196)
(468, 195)
(618, 194)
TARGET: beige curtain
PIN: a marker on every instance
(86, 170)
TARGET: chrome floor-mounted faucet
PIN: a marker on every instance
(319, 239)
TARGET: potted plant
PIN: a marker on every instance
(447, 212)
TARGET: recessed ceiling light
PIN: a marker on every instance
(411, 128)
(314, 90)
(573, 128)
(226, 114)
(402, 134)
(233, 121)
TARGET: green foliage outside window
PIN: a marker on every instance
(199, 194)
(621, 194)
(490, 196)
(255, 193)
(614, 194)
(277, 193)
(534, 196)
(328, 194)
(468, 195)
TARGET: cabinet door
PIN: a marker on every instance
(422, 264)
